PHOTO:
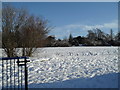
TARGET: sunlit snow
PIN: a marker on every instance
(74, 67)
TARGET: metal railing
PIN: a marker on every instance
(14, 72)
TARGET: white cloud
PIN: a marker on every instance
(79, 29)
(113, 25)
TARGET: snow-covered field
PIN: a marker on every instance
(74, 67)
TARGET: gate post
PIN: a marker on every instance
(26, 76)
(24, 63)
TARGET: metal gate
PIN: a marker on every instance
(14, 73)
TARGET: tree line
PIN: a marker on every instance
(95, 37)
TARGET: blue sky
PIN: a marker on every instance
(75, 17)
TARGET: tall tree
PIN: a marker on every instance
(19, 29)
(70, 39)
(111, 34)
(9, 22)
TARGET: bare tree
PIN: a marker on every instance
(91, 35)
(33, 34)
(8, 30)
(19, 29)
(117, 37)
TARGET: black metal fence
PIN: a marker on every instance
(14, 73)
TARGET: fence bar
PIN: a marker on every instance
(26, 76)
(2, 74)
(14, 73)
(10, 75)
(12, 58)
(7, 73)
(18, 75)
(21, 77)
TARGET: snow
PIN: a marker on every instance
(74, 67)
(103, 81)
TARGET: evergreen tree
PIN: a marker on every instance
(111, 34)
(70, 39)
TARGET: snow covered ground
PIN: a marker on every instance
(74, 67)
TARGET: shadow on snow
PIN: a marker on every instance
(103, 81)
